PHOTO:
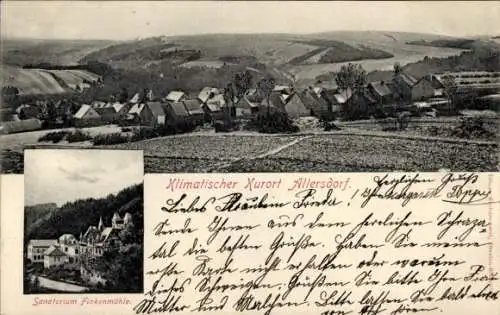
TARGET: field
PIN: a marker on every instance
(358, 147)
(334, 152)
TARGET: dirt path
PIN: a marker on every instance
(258, 156)
(60, 286)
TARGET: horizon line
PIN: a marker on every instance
(245, 33)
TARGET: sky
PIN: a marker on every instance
(66, 175)
(133, 19)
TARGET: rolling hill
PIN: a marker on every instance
(288, 57)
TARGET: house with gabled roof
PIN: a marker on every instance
(175, 96)
(176, 113)
(207, 93)
(54, 256)
(106, 111)
(86, 116)
(403, 84)
(295, 107)
(37, 248)
(245, 107)
(98, 239)
(147, 114)
(384, 92)
(317, 105)
(195, 111)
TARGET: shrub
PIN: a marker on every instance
(329, 126)
(143, 133)
(54, 136)
(275, 122)
(110, 138)
(78, 136)
(471, 127)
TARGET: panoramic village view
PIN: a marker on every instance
(317, 102)
(83, 223)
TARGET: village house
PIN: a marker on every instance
(86, 116)
(147, 114)
(317, 105)
(195, 111)
(177, 113)
(99, 239)
(383, 92)
(337, 99)
(248, 104)
(427, 87)
(106, 111)
(54, 257)
(37, 248)
(175, 96)
(245, 107)
(68, 244)
(208, 93)
(294, 106)
(403, 84)
(213, 111)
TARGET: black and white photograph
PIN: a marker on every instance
(255, 86)
(83, 221)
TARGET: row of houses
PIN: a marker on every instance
(321, 100)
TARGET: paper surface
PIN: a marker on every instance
(295, 243)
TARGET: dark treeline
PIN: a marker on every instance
(76, 216)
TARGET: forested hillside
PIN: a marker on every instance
(75, 217)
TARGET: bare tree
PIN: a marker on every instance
(397, 68)
(450, 89)
(266, 85)
(351, 77)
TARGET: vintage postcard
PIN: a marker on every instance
(249, 157)
(255, 86)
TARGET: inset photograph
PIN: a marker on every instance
(83, 221)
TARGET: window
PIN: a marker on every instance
(76, 251)
(66, 249)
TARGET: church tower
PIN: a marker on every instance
(100, 227)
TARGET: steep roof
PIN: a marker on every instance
(84, 109)
(174, 96)
(381, 88)
(134, 99)
(136, 109)
(156, 108)
(405, 78)
(193, 107)
(54, 251)
(42, 243)
(313, 102)
(205, 93)
(179, 109)
(274, 100)
(118, 106)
